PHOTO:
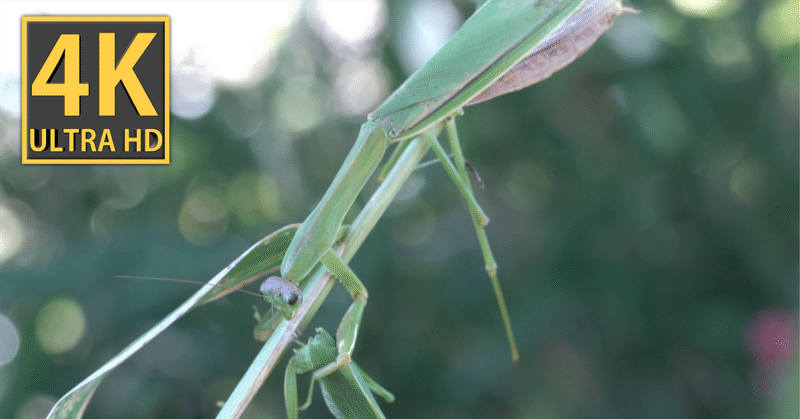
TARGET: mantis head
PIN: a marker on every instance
(283, 294)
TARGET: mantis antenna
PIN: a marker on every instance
(291, 293)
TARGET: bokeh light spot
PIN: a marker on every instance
(193, 91)
(772, 337)
(302, 103)
(707, 8)
(242, 198)
(634, 39)
(428, 28)
(60, 325)
(349, 24)
(10, 95)
(269, 197)
(729, 55)
(132, 186)
(360, 86)
(728, 50)
(204, 216)
(235, 46)
(746, 181)
(206, 205)
(9, 340)
(242, 112)
(35, 406)
(254, 198)
(12, 235)
(779, 24)
(669, 25)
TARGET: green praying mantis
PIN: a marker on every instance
(347, 391)
(504, 46)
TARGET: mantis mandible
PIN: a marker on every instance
(503, 46)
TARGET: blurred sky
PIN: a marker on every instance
(228, 45)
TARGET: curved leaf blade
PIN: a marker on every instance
(255, 262)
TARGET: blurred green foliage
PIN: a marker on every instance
(644, 206)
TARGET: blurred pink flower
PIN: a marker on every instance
(771, 337)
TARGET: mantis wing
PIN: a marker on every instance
(507, 32)
(348, 395)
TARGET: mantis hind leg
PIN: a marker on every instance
(461, 178)
(309, 396)
(462, 184)
(374, 386)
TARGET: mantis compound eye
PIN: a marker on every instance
(288, 290)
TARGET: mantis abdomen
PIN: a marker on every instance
(561, 47)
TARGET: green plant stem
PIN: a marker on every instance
(321, 282)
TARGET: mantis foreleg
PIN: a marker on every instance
(347, 332)
(319, 231)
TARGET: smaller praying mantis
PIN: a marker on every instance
(347, 389)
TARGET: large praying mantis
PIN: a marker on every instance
(504, 46)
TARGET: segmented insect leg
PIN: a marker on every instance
(488, 257)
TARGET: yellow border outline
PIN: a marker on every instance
(24, 79)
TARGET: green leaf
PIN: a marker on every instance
(262, 259)
(254, 263)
